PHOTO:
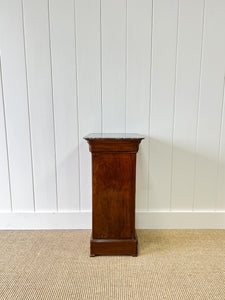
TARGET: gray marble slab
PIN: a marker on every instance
(112, 136)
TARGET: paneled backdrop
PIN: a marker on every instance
(71, 67)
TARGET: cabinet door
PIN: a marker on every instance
(113, 195)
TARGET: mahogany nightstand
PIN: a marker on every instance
(113, 193)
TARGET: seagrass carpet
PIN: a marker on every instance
(172, 264)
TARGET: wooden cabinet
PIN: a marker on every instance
(113, 193)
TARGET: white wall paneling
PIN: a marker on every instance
(63, 55)
(113, 47)
(89, 86)
(139, 17)
(68, 68)
(38, 62)
(220, 201)
(163, 82)
(5, 203)
(16, 105)
(210, 106)
(189, 46)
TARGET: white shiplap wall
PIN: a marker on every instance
(71, 67)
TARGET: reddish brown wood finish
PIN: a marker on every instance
(113, 247)
(113, 195)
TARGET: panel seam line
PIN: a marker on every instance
(198, 110)
(6, 136)
(77, 103)
(53, 108)
(28, 105)
(174, 105)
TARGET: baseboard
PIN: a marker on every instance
(82, 220)
(45, 220)
(180, 220)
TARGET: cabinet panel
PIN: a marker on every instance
(113, 195)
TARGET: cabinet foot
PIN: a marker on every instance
(113, 247)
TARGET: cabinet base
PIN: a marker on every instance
(113, 247)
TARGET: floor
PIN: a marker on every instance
(172, 264)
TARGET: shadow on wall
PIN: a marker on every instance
(181, 178)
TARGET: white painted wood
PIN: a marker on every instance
(38, 57)
(211, 90)
(113, 21)
(5, 197)
(186, 103)
(220, 201)
(180, 220)
(16, 107)
(89, 86)
(165, 15)
(139, 19)
(82, 220)
(62, 32)
(74, 67)
(45, 220)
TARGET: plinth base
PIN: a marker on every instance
(113, 247)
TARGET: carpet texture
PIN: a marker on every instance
(172, 264)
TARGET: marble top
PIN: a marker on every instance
(93, 136)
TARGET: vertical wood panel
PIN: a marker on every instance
(16, 108)
(139, 19)
(65, 102)
(211, 89)
(5, 197)
(220, 203)
(89, 86)
(165, 14)
(40, 95)
(113, 64)
(186, 103)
